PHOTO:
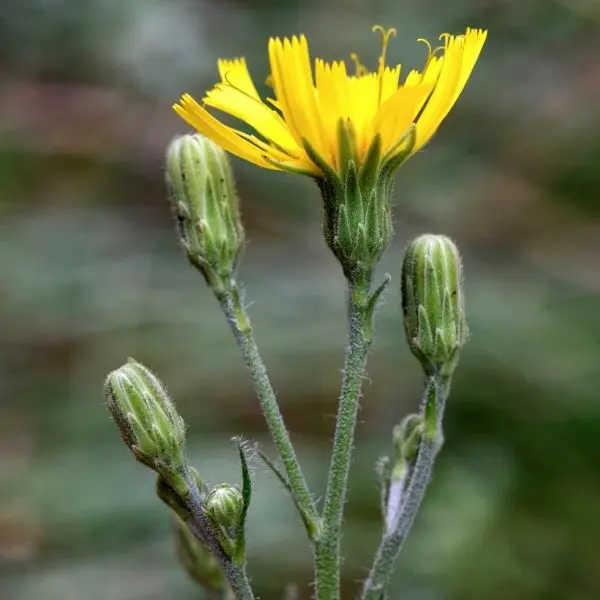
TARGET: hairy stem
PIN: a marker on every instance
(327, 549)
(432, 408)
(239, 322)
(199, 524)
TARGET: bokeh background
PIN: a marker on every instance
(91, 273)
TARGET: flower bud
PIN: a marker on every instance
(433, 303)
(406, 437)
(198, 562)
(148, 422)
(202, 191)
(224, 505)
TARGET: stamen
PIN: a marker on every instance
(429, 49)
(446, 38)
(431, 52)
(359, 67)
(386, 36)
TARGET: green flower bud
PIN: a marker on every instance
(197, 561)
(202, 192)
(433, 303)
(406, 436)
(148, 422)
(224, 505)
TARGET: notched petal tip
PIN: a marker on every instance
(476, 31)
(187, 101)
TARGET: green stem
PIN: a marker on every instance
(239, 582)
(432, 409)
(327, 549)
(234, 573)
(239, 322)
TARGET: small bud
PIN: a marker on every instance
(224, 505)
(148, 422)
(406, 436)
(433, 303)
(198, 562)
(202, 192)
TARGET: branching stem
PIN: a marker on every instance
(431, 408)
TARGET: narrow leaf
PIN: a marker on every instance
(240, 541)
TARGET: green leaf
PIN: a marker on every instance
(240, 542)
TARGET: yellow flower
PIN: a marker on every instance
(317, 122)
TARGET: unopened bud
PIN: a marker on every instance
(148, 421)
(433, 303)
(224, 505)
(406, 436)
(202, 191)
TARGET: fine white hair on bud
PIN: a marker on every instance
(148, 421)
(224, 505)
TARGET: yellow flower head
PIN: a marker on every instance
(318, 121)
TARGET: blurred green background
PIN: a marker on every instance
(91, 273)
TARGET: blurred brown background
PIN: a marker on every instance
(90, 273)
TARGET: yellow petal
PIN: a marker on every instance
(390, 82)
(363, 99)
(331, 82)
(441, 98)
(235, 73)
(429, 77)
(474, 41)
(295, 91)
(460, 56)
(273, 155)
(201, 120)
(398, 113)
(255, 113)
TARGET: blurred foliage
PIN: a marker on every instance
(90, 273)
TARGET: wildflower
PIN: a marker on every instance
(299, 130)
(348, 131)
